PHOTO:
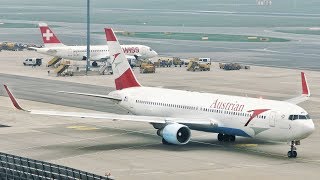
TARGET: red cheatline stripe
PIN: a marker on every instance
(14, 101)
(304, 84)
(255, 113)
(110, 35)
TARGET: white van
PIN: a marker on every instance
(204, 61)
(32, 62)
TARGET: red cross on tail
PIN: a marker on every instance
(48, 37)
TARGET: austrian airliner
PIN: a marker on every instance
(174, 113)
(54, 47)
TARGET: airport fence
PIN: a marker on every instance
(16, 167)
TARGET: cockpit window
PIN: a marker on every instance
(302, 117)
(150, 49)
(291, 117)
(295, 117)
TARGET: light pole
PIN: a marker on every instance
(88, 37)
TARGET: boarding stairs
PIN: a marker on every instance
(106, 68)
(53, 61)
(61, 68)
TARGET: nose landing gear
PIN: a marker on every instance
(293, 153)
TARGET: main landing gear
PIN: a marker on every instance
(293, 153)
(226, 137)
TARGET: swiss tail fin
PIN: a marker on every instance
(123, 74)
(48, 37)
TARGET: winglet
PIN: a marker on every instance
(13, 99)
(304, 83)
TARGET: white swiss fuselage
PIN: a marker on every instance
(97, 53)
(231, 112)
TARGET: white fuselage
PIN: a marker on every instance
(97, 53)
(231, 112)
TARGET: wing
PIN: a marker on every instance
(106, 57)
(93, 95)
(132, 57)
(44, 50)
(113, 117)
(51, 51)
(305, 91)
(101, 57)
(33, 48)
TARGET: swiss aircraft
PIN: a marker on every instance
(54, 47)
(174, 113)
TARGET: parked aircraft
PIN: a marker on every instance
(54, 47)
(174, 113)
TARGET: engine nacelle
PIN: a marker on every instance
(175, 133)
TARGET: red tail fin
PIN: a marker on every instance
(304, 83)
(124, 77)
(48, 37)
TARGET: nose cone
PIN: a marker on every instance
(154, 53)
(308, 128)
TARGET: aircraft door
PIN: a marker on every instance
(284, 123)
(144, 51)
(74, 53)
(272, 119)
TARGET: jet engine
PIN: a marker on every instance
(175, 133)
